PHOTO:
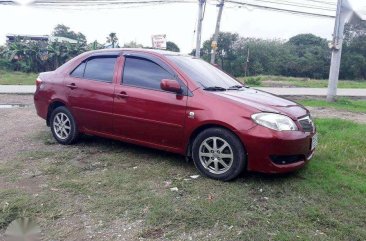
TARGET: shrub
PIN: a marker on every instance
(253, 81)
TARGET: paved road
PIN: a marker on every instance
(29, 89)
(313, 91)
(17, 89)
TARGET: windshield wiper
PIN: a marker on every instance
(236, 87)
(215, 88)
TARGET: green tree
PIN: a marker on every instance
(226, 51)
(94, 45)
(63, 31)
(171, 46)
(132, 44)
(354, 30)
(311, 56)
(113, 40)
(353, 64)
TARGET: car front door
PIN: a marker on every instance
(144, 113)
(91, 92)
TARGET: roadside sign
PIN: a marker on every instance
(159, 41)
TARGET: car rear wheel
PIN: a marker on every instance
(218, 154)
(63, 126)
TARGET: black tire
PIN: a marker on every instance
(73, 133)
(236, 151)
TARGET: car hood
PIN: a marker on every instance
(264, 102)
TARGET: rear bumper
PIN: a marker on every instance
(41, 105)
(276, 152)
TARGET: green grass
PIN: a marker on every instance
(341, 104)
(17, 78)
(111, 181)
(282, 81)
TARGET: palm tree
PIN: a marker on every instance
(94, 45)
(112, 38)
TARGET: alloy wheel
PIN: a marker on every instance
(62, 125)
(216, 155)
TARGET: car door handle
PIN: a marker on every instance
(72, 86)
(122, 95)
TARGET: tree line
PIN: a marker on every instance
(37, 56)
(304, 55)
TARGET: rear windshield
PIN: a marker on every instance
(203, 73)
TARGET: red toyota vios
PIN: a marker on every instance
(176, 103)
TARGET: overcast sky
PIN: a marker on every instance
(176, 20)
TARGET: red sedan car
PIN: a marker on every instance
(175, 103)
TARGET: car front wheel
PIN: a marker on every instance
(63, 126)
(219, 154)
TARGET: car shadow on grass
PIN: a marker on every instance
(175, 160)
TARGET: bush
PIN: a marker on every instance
(5, 64)
(253, 81)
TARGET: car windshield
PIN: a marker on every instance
(205, 74)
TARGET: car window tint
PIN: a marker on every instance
(79, 71)
(144, 73)
(203, 73)
(101, 69)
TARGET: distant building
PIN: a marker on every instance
(44, 38)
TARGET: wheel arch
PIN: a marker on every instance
(206, 126)
(53, 105)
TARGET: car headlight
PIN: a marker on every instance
(275, 121)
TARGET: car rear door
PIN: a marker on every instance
(91, 92)
(145, 113)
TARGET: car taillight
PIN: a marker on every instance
(39, 83)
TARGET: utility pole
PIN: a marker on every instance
(199, 27)
(247, 63)
(336, 54)
(345, 13)
(217, 30)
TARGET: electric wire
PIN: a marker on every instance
(270, 5)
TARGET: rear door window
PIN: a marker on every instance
(101, 69)
(144, 73)
(79, 71)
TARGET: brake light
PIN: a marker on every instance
(39, 83)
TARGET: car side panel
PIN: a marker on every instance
(51, 90)
(91, 104)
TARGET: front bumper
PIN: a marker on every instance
(272, 151)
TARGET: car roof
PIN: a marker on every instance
(142, 50)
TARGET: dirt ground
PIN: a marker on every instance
(19, 128)
(322, 112)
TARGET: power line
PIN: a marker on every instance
(288, 4)
(99, 3)
(8, 3)
(317, 2)
(323, 2)
(278, 9)
(281, 6)
(293, 4)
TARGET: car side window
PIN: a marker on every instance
(100, 68)
(79, 71)
(144, 73)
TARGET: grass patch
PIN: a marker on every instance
(17, 78)
(17, 204)
(111, 181)
(282, 81)
(340, 104)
